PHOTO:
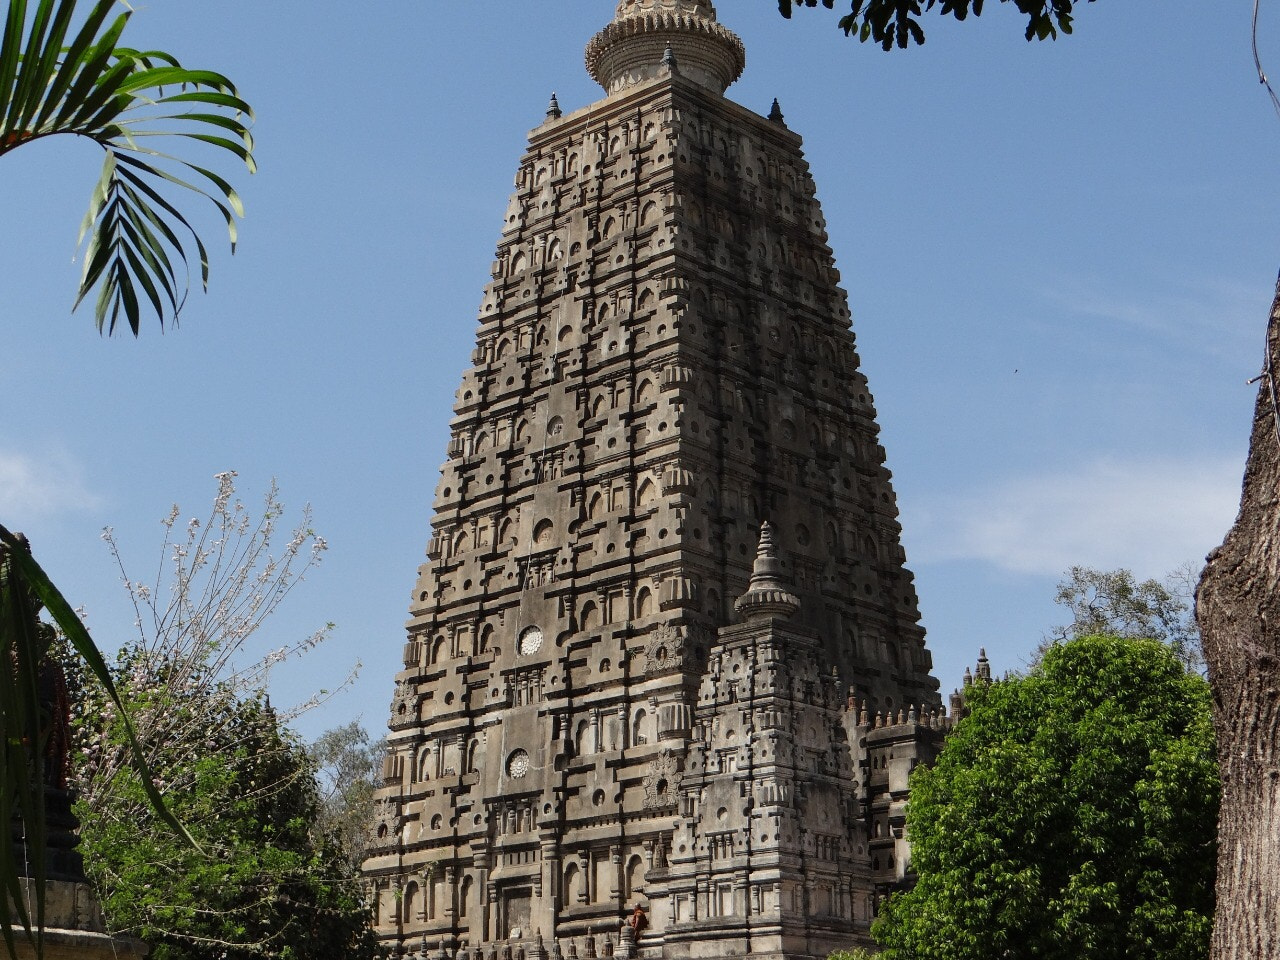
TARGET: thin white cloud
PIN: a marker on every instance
(1148, 515)
(1201, 310)
(41, 484)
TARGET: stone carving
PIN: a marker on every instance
(653, 38)
(663, 653)
(693, 8)
(385, 829)
(661, 782)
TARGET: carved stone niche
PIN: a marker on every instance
(404, 704)
(384, 831)
(664, 652)
(662, 781)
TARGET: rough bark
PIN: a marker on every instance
(1238, 608)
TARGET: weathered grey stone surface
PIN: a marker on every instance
(74, 926)
(600, 706)
(73, 922)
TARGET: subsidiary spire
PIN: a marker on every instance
(767, 595)
(630, 50)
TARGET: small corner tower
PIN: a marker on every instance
(770, 855)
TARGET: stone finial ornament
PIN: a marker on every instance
(766, 596)
(983, 669)
(630, 50)
(695, 8)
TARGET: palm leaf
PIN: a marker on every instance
(11, 50)
(116, 96)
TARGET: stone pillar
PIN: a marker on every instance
(550, 897)
(615, 875)
(741, 896)
(450, 893)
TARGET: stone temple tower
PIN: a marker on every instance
(664, 652)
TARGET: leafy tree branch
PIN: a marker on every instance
(57, 79)
(891, 23)
(275, 881)
(1070, 814)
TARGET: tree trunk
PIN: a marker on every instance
(1238, 608)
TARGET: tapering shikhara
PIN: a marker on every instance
(663, 362)
(1238, 608)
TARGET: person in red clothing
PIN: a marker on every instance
(638, 922)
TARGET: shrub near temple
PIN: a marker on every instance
(1070, 815)
(270, 878)
(264, 885)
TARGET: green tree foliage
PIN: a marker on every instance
(60, 77)
(1115, 603)
(268, 883)
(347, 762)
(893, 23)
(1070, 816)
(269, 880)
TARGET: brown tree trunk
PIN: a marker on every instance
(1238, 608)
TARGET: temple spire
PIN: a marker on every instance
(766, 595)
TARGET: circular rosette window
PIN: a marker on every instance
(518, 764)
(530, 641)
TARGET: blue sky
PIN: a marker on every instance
(1059, 258)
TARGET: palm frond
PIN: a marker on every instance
(119, 98)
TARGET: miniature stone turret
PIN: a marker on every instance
(982, 672)
(765, 596)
